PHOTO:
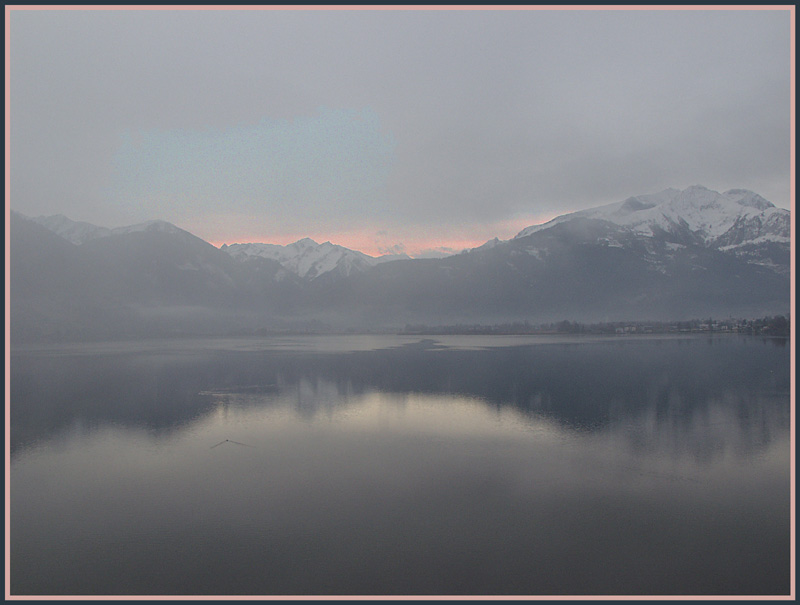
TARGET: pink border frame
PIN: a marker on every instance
(792, 191)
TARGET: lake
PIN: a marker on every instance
(398, 465)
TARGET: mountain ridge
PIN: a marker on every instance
(622, 261)
(734, 221)
(308, 259)
(707, 214)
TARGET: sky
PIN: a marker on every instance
(389, 130)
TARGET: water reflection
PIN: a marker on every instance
(647, 390)
(635, 467)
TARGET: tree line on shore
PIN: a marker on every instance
(778, 325)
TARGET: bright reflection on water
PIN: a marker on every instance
(401, 466)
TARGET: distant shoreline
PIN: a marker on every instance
(282, 341)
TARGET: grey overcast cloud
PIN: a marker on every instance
(389, 129)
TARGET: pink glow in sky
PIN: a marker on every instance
(375, 241)
(361, 243)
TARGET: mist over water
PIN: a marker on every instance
(402, 465)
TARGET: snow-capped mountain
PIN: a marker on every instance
(150, 226)
(308, 259)
(737, 222)
(76, 232)
(487, 246)
(79, 232)
(304, 258)
(713, 219)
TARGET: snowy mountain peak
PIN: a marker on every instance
(749, 199)
(697, 212)
(308, 259)
(634, 204)
(76, 232)
(393, 256)
(79, 232)
(155, 225)
(490, 244)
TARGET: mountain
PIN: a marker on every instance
(56, 286)
(672, 255)
(737, 222)
(149, 279)
(76, 232)
(308, 259)
(707, 216)
(79, 232)
(304, 258)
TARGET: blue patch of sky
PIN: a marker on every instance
(334, 163)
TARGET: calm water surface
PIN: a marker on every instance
(402, 465)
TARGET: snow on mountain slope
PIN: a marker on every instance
(79, 232)
(737, 223)
(156, 225)
(307, 258)
(490, 244)
(714, 219)
(76, 232)
(304, 258)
